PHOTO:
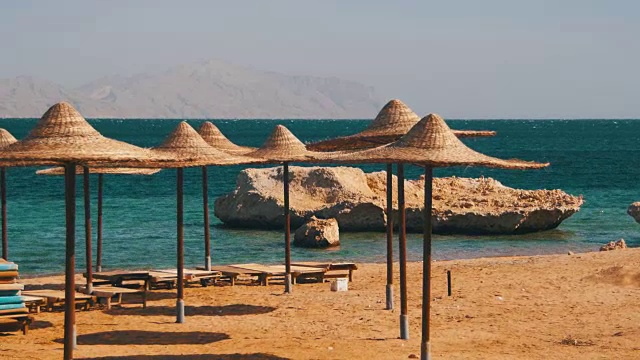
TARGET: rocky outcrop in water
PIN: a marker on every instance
(357, 201)
(634, 211)
(614, 245)
(318, 233)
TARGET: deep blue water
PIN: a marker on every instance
(595, 158)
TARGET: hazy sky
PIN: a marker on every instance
(462, 59)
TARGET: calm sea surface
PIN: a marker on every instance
(595, 158)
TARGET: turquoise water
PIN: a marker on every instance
(596, 158)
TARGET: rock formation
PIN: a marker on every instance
(634, 211)
(614, 245)
(357, 201)
(318, 233)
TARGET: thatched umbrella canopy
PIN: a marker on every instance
(80, 170)
(214, 137)
(190, 150)
(430, 143)
(392, 122)
(63, 136)
(6, 139)
(283, 147)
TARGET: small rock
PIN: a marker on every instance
(413, 356)
(570, 253)
(318, 233)
(614, 245)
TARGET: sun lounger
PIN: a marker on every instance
(21, 315)
(112, 295)
(55, 298)
(231, 274)
(118, 278)
(333, 269)
(270, 271)
(34, 303)
(169, 277)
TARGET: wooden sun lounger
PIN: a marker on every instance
(57, 297)
(108, 293)
(117, 278)
(232, 274)
(332, 268)
(269, 271)
(170, 276)
(34, 303)
(22, 316)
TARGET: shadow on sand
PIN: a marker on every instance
(137, 337)
(14, 326)
(257, 356)
(226, 310)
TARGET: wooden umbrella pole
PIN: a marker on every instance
(3, 191)
(404, 319)
(99, 246)
(389, 236)
(287, 230)
(207, 231)
(180, 252)
(425, 345)
(87, 229)
(69, 281)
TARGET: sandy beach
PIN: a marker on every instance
(536, 307)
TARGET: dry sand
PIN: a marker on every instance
(582, 306)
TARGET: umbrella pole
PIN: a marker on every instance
(69, 281)
(3, 191)
(389, 236)
(87, 229)
(404, 319)
(425, 345)
(207, 233)
(99, 248)
(180, 252)
(287, 230)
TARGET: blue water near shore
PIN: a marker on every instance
(595, 158)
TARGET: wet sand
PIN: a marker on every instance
(536, 307)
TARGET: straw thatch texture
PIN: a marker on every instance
(6, 138)
(391, 123)
(104, 170)
(214, 137)
(430, 142)
(189, 149)
(283, 146)
(63, 136)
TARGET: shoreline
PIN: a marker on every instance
(80, 270)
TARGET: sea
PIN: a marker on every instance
(594, 158)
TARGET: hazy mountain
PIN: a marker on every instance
(211, 89)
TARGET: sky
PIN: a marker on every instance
(461, 59)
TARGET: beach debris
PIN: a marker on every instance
(357, 200)
(318, 233)
(413, 356)
(614, 245)
(570, 340)
(634, 211)
(570, 253)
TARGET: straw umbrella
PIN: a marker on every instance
(63, 136)
(283, 147)
(80, 170)
(6, 139)
(190, 150)
(430, 143)
(392, 122)
(215, 138)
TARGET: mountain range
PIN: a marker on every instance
(211, 89)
